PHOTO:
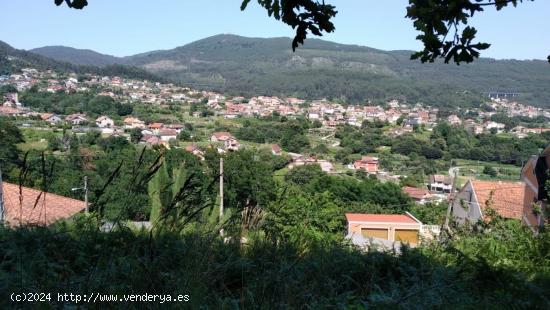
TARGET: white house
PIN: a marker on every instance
(51, 118)
(133, 122)
(76, 119)
(498, 126)
(440, 183)
(168, 134)
(221, 136)
(104, 122)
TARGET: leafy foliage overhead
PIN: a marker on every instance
(302, 15)
(75, 4)
(439, 21)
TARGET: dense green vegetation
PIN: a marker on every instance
(13, 60)
(322, 69)
(10, 136)
(432, 151)
(76, 56)
(295, 254)
(64, 104)
(501, 266)
(93, 105)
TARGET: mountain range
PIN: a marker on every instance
(323, 69)
(12, 60)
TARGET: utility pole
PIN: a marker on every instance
(1, 198)
(85, 189)
(221, 193)
(86, 194)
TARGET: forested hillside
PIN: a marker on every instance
(12, 60)
(76, 56)
(253, 66)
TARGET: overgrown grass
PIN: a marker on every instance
(263, 275)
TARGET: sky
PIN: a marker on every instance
(127, 27)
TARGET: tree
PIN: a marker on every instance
(249, 185)
(317, 124)
(135, 135)
(442, 24)
(184, 135)
(301, 218)
(102, 105)
(490, 171)
(10, 136)
(123, 109)
(113, 143)
(302, 175)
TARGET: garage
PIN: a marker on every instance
(381, 233)
(406, 236)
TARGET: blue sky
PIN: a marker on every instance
(126, 27)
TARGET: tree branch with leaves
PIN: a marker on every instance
(443, 24)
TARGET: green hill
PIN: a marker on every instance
(12, 60)
(76, 56)
(325, 69)
(252, 66)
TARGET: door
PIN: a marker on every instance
(381, 233)
(406, 236)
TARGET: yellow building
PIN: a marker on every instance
(403, 228)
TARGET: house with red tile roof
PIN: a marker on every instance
(104, 122)
(155, 126)
(402, 228)
(472, 202)
(221, 136)
(419, 195)
(276, 149)
(195, 150)
(367, 163)
(150, 139)
(167, 134)
(231, 145)
(440, 183)
(10, 111)
(51, 118)
(27, 206)
(76, 118)
(133, 122)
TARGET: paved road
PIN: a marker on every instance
(452, 171)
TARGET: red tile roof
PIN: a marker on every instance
(46, 116)
(275, 148)
(191, 148)
(49, 208)
(223, 135)
(416, 193)
(507, 197)
(10, 110)
(131, 120)
(168, 132)
(155, 125)
(385, 218)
